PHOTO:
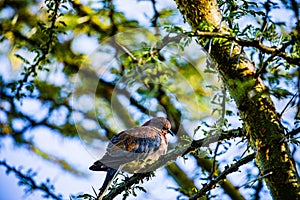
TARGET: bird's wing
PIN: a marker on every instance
(133, 144)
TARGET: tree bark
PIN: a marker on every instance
(265, 132)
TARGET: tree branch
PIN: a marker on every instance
(233, 168)
(186, 184)
(256, 43)
(27, 180)
(44, 49)
(226, 185)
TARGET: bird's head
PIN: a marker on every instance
(161, 123)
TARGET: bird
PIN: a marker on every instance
(133, 149)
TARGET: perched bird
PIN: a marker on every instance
(131, 150)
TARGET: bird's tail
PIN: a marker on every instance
(111, 173)
(98, 166)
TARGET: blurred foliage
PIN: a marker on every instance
(84, 69)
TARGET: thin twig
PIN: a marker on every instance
(29, 181)
(223, 105)
(286, 106)
(156, 14)
(253, 43)
(293, 132)
(45, 49)
(233, 168)
(111, 13)
(127, 51)
(258, 178)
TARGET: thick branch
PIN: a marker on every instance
(186, 184)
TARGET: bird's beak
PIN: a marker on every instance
(171, 132)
